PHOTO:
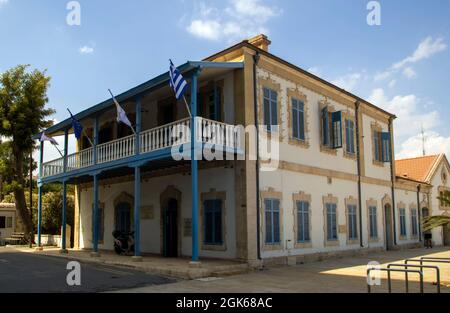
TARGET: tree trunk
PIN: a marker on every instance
(19, 194)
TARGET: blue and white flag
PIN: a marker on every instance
(77, 127)
(177, 81)
(121, 115)
(44, 137)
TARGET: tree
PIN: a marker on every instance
(436, 221)
(23, 97)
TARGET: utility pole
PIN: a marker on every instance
(31, 196)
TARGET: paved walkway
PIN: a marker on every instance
(346, 275)
(172, 267)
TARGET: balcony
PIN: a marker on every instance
(223, 136)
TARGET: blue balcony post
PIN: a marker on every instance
(95, 218)
(39, 217)
(194, 169)
(137, 214)
(64, 203)
(137, 188)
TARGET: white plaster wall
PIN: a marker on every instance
(219, 179)
(7, 232)
(436, 182)
(372, 170)
(311, 156)
(409, 199)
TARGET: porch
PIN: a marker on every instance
(166, 133)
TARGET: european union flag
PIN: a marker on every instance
(77, 127)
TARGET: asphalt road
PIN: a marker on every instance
(27, 273)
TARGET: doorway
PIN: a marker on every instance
(388, 227)
(170, 229)
(123, 217)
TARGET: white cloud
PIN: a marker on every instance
(237, 20)
(86, 50)
(392, 83)
(349, 81)
(434, 144)
(207, 29)
(409, 73)
(3, 3)
(426, 49)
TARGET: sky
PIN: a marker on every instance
(401, 65)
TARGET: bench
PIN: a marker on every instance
(15, 239)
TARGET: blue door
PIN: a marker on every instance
(123, 217)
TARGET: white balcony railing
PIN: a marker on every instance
(173, 134)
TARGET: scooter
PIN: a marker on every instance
(123, 242)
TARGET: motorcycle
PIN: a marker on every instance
(123, 242)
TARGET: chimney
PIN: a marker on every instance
(261, 41)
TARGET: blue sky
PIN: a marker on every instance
(401, 65)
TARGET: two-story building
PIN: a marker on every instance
(333, 189)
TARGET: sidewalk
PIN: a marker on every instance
(172, 267)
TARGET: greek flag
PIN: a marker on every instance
(77, 127)
(44, 137)
(121, 115)
(177, 81)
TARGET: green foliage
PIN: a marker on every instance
(23, 96)
(432, 222)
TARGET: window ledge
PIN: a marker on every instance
(374, 239)
(328, 150)
(332, 243)
(353, 241)
(272, 247)
(348, 155)
(299, 142)
(303, 245)
(378, 163)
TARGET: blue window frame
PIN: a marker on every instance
(402, 222)
(326, 136)
(414, 227)
(270, 109)
(382, 146)
(331, 129)
(352, 222)
(303, 234)
(123, 217)
(212, 225)
(331, 221)
(373, 223)
(298, 119)
(350, 136)
(272, 221)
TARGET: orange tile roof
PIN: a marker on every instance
(415, 168)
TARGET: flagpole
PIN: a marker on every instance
(83, 131)
(60, 153)
(115, 101)
(187, 107)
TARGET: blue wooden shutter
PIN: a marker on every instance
(336, 120)
(386, 146)
(218, 222)
(276, 221)
(325, 127)
(268, 220)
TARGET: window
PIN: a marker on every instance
(2, 222)
(9, 222)
(331, 129)
(272, 214)
(298, 119)
(101, 222)
(382, 146)
(303, 222)
(350, 136)
(402, 222)
(373, 224)
(331, 221)
(352, 222)
(270, 109)
(414, 227)
(213, 222)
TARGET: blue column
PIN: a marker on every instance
(39, 217)
(194, 169)
(137, 211)
(95, 216)
(64, 217)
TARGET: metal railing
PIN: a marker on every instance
(421, 267)
(389, 271)
(177, 133)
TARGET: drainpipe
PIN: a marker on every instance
(358, 162)
(393, 184)
(418, 212)
(258, 201)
